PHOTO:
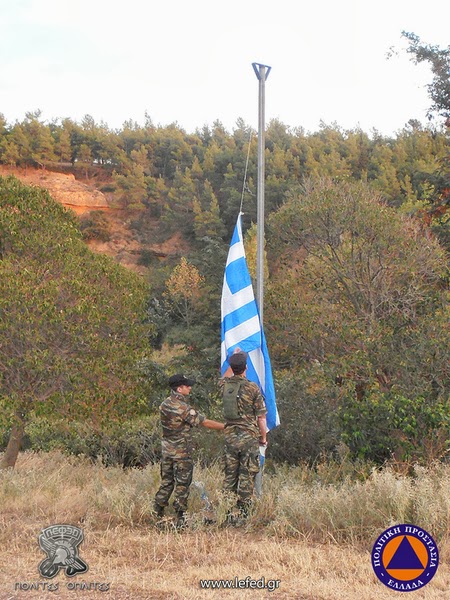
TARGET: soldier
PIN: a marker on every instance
(177, 465)
(245, 431)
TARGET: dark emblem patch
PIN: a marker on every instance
(60, 543)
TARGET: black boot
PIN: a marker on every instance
(159, 510)
(244, 510)
(181, 519)
(231, 518)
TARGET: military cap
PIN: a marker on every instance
(177, 380)
(238, 360)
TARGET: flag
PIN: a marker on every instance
(241, 325)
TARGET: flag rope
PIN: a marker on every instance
(244, 185)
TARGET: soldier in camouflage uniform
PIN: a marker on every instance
(177, 465)
(243, 435)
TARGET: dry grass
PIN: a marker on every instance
(312, 535)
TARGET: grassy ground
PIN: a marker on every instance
(312, 532)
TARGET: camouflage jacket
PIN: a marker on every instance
(251, 405)
(177, 420)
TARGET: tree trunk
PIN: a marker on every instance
(15, 442)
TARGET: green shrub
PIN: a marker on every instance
(384, 425)
(95, 226)
(309, 428)
(109, 188)
(133, 443)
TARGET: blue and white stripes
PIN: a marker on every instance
(241, 326)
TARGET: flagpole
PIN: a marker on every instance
(261, 72)
(241, 319)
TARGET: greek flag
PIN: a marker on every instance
(241, 325)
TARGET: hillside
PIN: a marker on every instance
(343, 354)
(83, 197)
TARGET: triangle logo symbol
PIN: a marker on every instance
(405, 557)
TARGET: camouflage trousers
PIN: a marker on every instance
(241, 465)
(176, 476)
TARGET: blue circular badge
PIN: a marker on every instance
(405, 558)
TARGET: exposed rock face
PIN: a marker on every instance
(62, 187)
(83, 198)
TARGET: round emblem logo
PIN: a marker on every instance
(405, 558)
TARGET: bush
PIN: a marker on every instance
(133, 443)
(109, 188)
(95, 226)
(309, 426)
(384, 425)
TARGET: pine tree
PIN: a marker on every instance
(207, 222)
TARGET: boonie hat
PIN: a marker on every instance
(177, 380)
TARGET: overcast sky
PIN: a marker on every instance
(190, 61)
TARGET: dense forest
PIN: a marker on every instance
(357, 282)
(194, 181)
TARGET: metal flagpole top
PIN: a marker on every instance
(260, 70)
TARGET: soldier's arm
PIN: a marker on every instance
(262, 425)
(194, 418)
(213, 424)
(228, 373)
(261, 411)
